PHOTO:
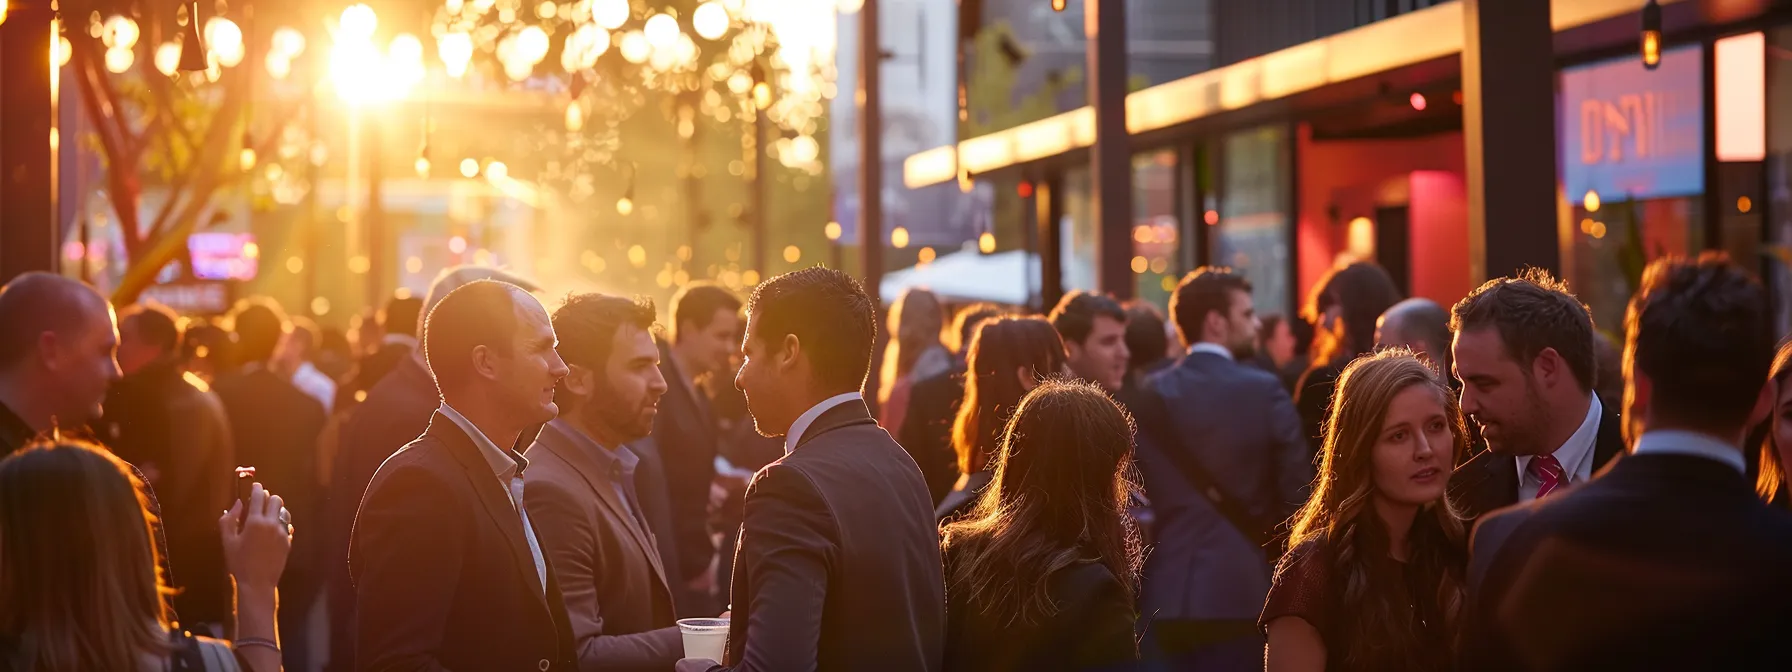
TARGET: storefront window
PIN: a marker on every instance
(1155, 232)
(1079, 238)
(1252, 231)
(1632, 153)
(1778, 253)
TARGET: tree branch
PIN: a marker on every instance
(121, 164)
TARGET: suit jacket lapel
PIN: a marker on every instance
(845, 415)
(1608, 444)
(492, 495)
(555, 441)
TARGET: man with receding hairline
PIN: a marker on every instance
(57, 345)
(447, 568)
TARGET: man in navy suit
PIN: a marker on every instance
(1667, 560)
(1205, 583)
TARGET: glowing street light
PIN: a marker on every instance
(710, 20)
(357, 23)
(610, 14)
(226, 40)
(456, 50)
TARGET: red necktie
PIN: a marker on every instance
(1547, 470)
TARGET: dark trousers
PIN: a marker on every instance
(1202, 646)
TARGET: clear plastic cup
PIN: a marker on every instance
(705, 638)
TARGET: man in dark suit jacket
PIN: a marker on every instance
(581, 487)
(396, 411)
(447, 568)
(1523, 350)
(1205, 582)
(1667, 560)
(839, 564)
(926, 431)
(706, 328)
(275, 426)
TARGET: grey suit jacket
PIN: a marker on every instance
(1240, 425)
(607, 561)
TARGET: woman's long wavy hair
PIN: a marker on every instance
(1352, 540)
(1770, 478)
(80, 587)
(1000, 348)
(1362, 291)
(1059, 495)
(916, 324)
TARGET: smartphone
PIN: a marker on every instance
(245, 483)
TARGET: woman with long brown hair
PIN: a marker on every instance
(1041, 574)
(1343, 309)
(1773, 438)
(1373, 579)
(1008, 358)
(81, 586)
(915, 353)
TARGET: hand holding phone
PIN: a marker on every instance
(245, 483)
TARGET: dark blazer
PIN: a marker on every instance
(1489, 481)
(686, 435)
(1663, 562)
(1237, 422)
(443, 576)
(605, 558)
(926, 431)
(650, 487)
(397, 411)
(1091, 630)
(839, 563)
(960, 501)
(1313, 396)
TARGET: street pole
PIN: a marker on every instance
(757, 198)
(28, 237)
(376, 211)
(1110, 161)
(871, 174)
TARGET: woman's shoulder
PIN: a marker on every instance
(1300, 586)
(1087, 582)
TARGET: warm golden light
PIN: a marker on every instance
(986, 243)
(625, 206)
(1651, 48)
(469, 167)
(413, 265)
(251, 250)
(320, 306)
(167, 58)
(662, 31)
(710, 20)
(1140, 264)
(925, 256)
(610, 14)
(575, 116)
(635, 48)
(832, 230)
(456, 51)
(295, 265)
(762, 95)
(119, 59)
(422, 166)
(497, 171)
(457, 245)
(1743, 204)
(899, 237)
(246, 159)
(357, 22)
(637, 256)
(224, 39)
(1590, 202)
(749, 277)
(358, 265)
(793, 254)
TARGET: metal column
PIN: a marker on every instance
(1509, 129)
(27, 191)
(1110, 160)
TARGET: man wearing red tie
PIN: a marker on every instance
(1524, 352)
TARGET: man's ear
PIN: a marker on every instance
(1549, 367)
(789, 350)
(580, 381)
(49, 349)
(485, 361)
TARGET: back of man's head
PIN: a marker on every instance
(1145, 335)
(37, 303)
(831, 316)
(455, 277)
(965, 321)
(1074, 316)
(304, 337)
(1205, 291)
(697, 303)
(1418, 319)
(1700, 332)
(401, 315)
(259, 325)
(479, 314)
(1531, 312)
(152, 326)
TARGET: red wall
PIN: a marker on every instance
(1354, 174)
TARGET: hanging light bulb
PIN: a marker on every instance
(247, 157)
(626, 204)
(1651, 42)
(1057, 5)
(192, 52)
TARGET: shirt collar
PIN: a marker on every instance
(399, 339)
(1212, 349)
(612, 460)
(1680, 442)
(1577, 451)
(503, 466)
(808, 417)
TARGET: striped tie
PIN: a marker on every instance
(1548, 471)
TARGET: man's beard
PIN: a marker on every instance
(629, 422)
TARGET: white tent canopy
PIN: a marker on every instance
(967, 275)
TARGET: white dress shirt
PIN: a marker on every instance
(808, 417)
(1575, 456)
(505, 469)
(1212, 349)
(1677, 442)
(315, 385)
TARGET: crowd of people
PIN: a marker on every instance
(477, 480)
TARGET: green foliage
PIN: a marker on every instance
(990, 81)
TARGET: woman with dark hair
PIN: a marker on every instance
(1374, 576)
(1041, 574)
(82, 588)
(1774, 437)
(1343, 308)
(1008, 358)
(916, 322)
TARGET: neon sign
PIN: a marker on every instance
(1631, 133)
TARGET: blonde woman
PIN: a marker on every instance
(915, 353)
(1374, 575)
